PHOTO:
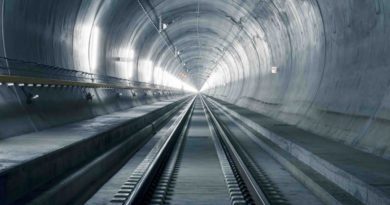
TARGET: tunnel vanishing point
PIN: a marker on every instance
(194, 102)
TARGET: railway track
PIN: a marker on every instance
(191, 154)
(188, 151)
(164, 177)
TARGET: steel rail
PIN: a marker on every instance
(139, 191)
(165, 178)
(255, 191)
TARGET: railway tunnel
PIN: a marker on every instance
(194, 102)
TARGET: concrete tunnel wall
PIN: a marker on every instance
(333, 70)
(60, 33)
(332, 58)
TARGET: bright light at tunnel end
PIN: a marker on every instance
(154, 74)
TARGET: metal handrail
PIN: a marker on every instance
(20, 71)
(43, 81)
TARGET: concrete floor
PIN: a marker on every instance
(362, 174)
(21, 149)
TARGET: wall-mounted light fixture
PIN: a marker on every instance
(161, 26)
(30, 97)
(274, 69)
(164, 26)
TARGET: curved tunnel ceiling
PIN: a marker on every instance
(202, 30)
(322, 65)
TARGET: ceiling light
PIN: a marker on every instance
(164, 26)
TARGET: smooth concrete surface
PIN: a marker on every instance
(24, 148)
(363, 175)
(332, 60)
(200, 179)
(60, 106)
